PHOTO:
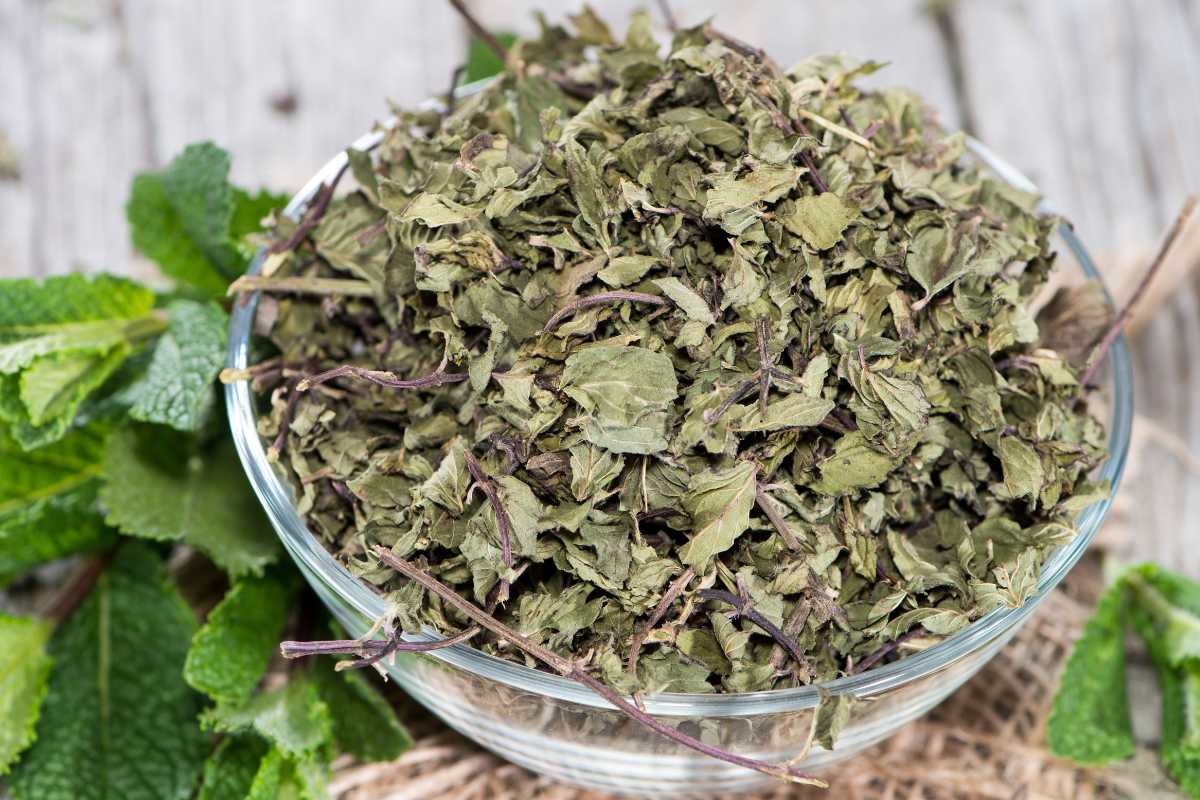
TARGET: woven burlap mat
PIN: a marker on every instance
(986, 741)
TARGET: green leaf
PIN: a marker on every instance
(230, 653)
(627, 391)
(118, 720)
(821, 219)
(162, 486)
(793, 411)
(178, 385)
(833, 712)
(268, 782)
(482, 61)
(1176, 629)
(293, 717)
(364, 724)
(690, 303)
(281, 777)
(230, 771)
(183, 219)
(719, 503)
(937, 257)
(1179, 747)
(24, 670)
(60, 339)
(29, 306)
(1089, 722)
(854, 464)
(54, 386)
(48, 499)
(1023, 474)
(249, 210)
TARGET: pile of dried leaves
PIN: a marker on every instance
(681, 356)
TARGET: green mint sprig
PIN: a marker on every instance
(1090, 721)
(112, 446)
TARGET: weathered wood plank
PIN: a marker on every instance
(16, 208)
(77, 132)
(97, 92)
(898, 31)
(219, 70)
(1099, 100)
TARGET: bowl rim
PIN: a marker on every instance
(319, 563)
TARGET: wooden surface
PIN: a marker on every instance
(1097, 100)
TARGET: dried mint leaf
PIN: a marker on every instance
(690, 316)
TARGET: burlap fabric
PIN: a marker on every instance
(986, 741)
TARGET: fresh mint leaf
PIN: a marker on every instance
(482, 61)
(118, 720)
(165, 486)
(293, 717)
(1174, 626)
(30, 306)
(178, 385)
(24, 670)
(249, 210)
(364, 724)
(230, 771)
(272, 777)
(230, 653)
(60, 339)
(1177, 747)
(48, 499)
(281, 777)
(188, 219)
(1089, 722)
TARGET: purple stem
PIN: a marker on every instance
(597, 299)
(743, 608)
(570, 670)
(382, 378)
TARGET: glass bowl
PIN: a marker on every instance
(562, 730)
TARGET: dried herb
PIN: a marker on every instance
(679, 364)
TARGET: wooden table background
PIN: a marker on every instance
(1097, 100)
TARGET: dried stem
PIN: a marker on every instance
(368, 234)
(285, 422)
(673, 591)
(768, 507)
(382, 378)
(1093, 362)
(791, 627)
(570, 670)
(875, 657)
(502, 521)
(370, 651)
(596, 299)
(78, 587)
(743, 608)
(764, 365)
(743, 48)
(315, 212)
(301, 285)
(739, 390)
(477, 28)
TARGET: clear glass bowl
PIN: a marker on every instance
(562, 730)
